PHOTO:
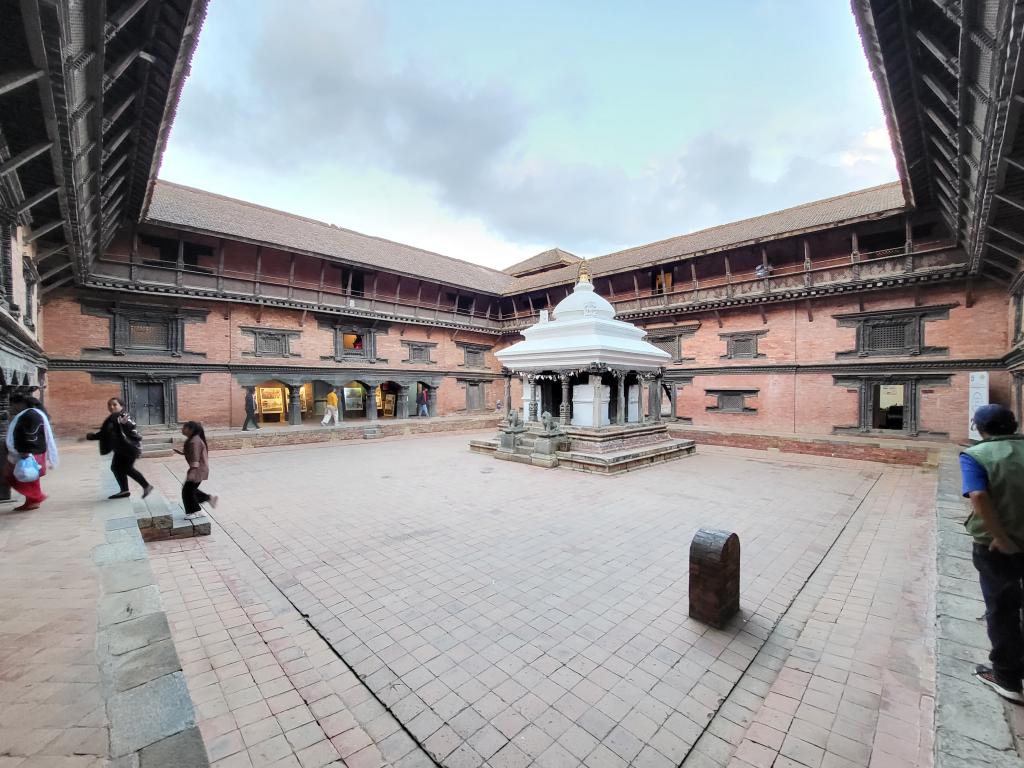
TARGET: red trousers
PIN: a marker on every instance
(33, 492)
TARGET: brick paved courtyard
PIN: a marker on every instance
(406, 602)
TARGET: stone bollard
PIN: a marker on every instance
(714, 576)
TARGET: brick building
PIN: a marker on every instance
(866, 313)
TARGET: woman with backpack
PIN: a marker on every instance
(197, 456)
(119, 435)
(30, 447)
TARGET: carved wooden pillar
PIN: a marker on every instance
(402, 407)
(533, 400)
(5, 415)
(620, 403)
(508, 394)
(807, 263)
(565, 408)
(908, 258)
(371, 400)
(855, 256)
(673, 397)
(294, 404)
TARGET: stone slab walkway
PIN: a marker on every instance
(51, 703)
(406, 602)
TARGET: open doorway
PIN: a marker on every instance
(889, 401)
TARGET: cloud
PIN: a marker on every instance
(317, 88)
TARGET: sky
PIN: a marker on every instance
(491, 131)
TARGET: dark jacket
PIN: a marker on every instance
(121, 438)
(196, 456)
(29, 433)
(422, 398)
(250, 403)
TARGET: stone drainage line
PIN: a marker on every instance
(312, 626)
(782, 615)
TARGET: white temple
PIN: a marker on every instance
(583, 374)
(591, 355)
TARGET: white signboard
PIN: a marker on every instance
(977, 397)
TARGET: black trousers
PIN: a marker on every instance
(123, 467)
(192, 497)
(250, 417)
(1001, 576)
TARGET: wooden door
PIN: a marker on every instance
(148, 402)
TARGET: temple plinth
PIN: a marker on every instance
(597, 381)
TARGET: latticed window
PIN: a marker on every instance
(419, 354)
(271, 344)
(744, 346)
(882, 336)
(474, 358)
(151, 335)
(730, 402)
(669, 344)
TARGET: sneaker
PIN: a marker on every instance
(214, 500)
(120, 495)
(147, 490)
(988, 677)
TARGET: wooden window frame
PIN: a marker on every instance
(721, 394)
(911, 319)
(730, 344)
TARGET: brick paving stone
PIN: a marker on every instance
(477, 616)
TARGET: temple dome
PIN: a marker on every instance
(583, 302)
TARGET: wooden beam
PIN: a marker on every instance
(35, 200)
(291, 275)
(810, 313)
(764, 315)
(116, 112)
(120, 21)
(20, 159)
(12, 80)
(112, 75)
(42, 256)
(57, 284)
(1011, 201)
(1019, 257)
(1018, 164)
(55, 271)
(1016, 237)
(718, 317)
(35, 234)
(220, 264)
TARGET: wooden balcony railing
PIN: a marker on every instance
(235, 283)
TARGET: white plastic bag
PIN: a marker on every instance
(26, 470)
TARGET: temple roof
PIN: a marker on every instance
(542, 262)
(583, 332)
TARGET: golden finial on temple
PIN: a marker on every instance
(583, 276)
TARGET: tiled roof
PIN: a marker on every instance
(833, 211)
(179, 206)
(542, 261)
(175, 205)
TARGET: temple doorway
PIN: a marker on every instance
(889, 401)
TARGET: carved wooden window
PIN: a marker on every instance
(353, 342)
(270, 342)
(474, 357)
(897, 332)
(668, 344)
(30, 296)
(1018, 316)
(476, 396)
(149, 334)
(742, 345)
(731, 400)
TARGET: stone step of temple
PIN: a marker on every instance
(372, 432)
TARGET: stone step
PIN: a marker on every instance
(159, 519)
(372, 433)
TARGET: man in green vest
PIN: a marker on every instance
(993, 479)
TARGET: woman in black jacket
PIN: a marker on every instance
(120, 436)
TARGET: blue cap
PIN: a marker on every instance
(995, 420)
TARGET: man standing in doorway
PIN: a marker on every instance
(331, 408)
(993, 479)
(423, 402)
(250, 409)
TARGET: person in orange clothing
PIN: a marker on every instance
(331, 408)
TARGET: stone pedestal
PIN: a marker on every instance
(714, 576)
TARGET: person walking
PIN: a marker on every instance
(423, 402)
(993, 479)
(331, 408)
(196, 454)
(250, 409)
(119, 435)
(29, 435)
